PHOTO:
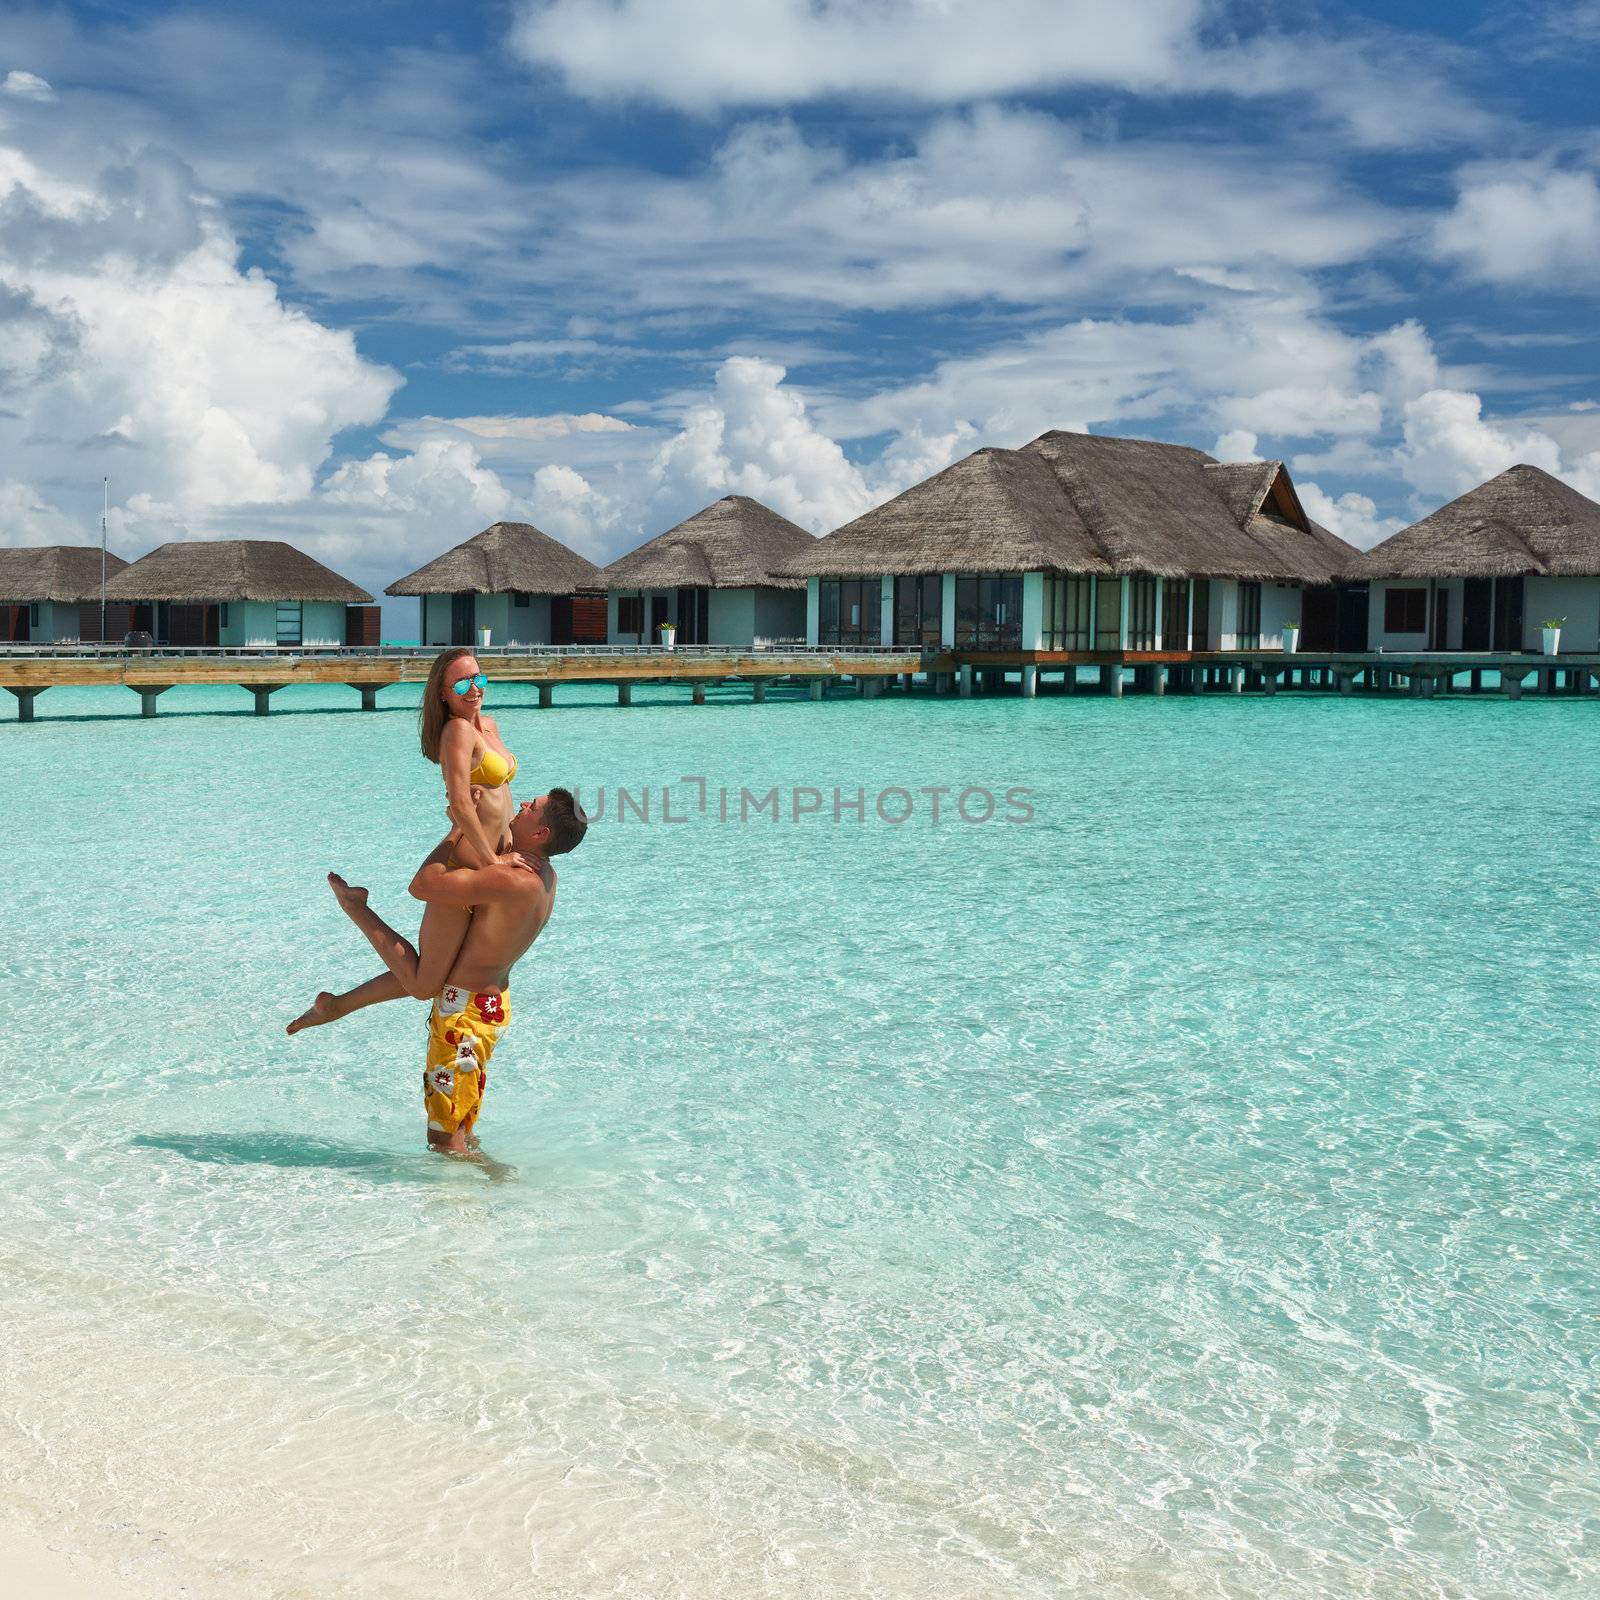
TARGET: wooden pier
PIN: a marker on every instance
(27, 671)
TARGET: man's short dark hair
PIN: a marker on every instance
(564, 817)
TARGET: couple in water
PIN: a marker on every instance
(487, 891)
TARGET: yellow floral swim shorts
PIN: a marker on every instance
(463, 1029)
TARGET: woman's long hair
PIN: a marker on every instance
(433, 715)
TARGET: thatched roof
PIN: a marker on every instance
(231, 569)
(992, 511)
(735, 544)
(67, 574)
(509, 557)
(1521, 522)
(1081, 503)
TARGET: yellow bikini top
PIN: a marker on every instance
(493, 770)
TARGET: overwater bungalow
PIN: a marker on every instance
(1487, 570)
(1083, 547)
(50, 594)
(511, 580)
(241, 592)
(714, 578)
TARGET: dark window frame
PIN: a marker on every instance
(919, 610)
(630, 614)
(1141, 611)
(1405, 610)
(988, 611)
(1248, 633)
(1068, 613)
(850, 611)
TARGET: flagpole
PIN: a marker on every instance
(105, 502)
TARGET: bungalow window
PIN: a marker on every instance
(1249, 631)
(694, 615)
(918, 610)
(1405, 611)
(1108, 614)
(222, 615)
(1175, 614)
(1068, 613)
(289, 622)
(630, 613)
(33, 615)
(850, 611)
(989, 612)
(519, 598)
(1142, 612)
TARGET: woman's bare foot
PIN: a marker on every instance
(346, 894)
(319, 1011)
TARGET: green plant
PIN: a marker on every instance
(1291, 627)
(666, 627)
(1553, 622)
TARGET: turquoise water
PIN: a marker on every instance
(1188, 1192)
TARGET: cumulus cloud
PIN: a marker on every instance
(1352, 516)
(568, 507)
(1237, 445)
(1449, 446)
(135, 327)
(755, 437)
(1524, 222)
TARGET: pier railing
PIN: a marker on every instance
(28, 670)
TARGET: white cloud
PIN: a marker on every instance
(707, 55)
(755, 437)
(703, 54)
(134, 343)
(995, 204)
(569, 508)
(446, 482)
(1449, 447)
(26, 86)
(556, 426)
(1239, 445)
(1524, 222)
(1352, 516)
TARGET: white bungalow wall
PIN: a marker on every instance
(1280, 604)
(1576, 599)
(49, 623)
(735, 618)
(508, 624)
(253, 623)
(780, 616)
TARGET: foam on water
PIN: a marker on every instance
(1191, 1191)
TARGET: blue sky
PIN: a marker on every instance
(370, 278)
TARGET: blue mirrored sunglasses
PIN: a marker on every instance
(464, 685)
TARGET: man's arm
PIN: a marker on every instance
(468, 886)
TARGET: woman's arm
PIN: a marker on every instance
(455, 757)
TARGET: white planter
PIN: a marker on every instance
(483, 638)
(1552, 641)
(668, 637)
(1291, 641)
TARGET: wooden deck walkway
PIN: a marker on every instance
(28, 671)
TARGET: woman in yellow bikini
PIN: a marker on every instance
(478, 770)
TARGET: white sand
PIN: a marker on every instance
(30, 1566)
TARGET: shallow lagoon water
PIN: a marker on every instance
(1188, 1191)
